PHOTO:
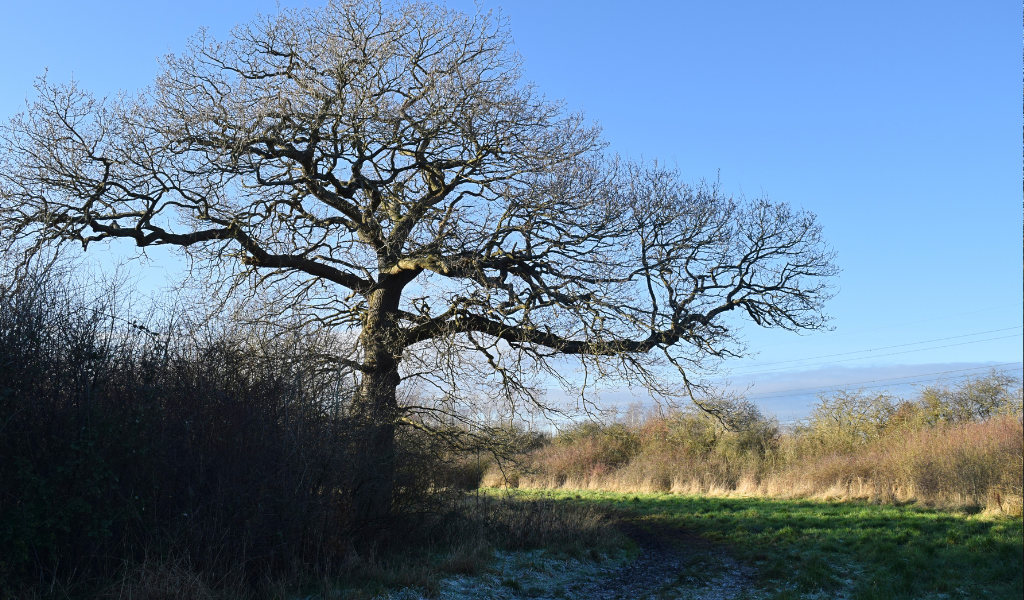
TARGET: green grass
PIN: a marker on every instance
(865, 551)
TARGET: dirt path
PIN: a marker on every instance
(673, 563)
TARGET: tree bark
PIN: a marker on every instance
(375, 410)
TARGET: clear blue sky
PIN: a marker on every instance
(896, 122)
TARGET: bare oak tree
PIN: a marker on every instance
(387, 169)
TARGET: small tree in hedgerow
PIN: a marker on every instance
(385, 170)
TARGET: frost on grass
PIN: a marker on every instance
(652, 575)
(535, 574)
(531, 574)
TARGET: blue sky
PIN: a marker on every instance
(896, 122)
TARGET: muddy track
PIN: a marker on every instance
(673, 562)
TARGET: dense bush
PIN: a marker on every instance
(125, 444)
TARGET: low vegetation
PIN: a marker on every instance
(456, 542)
(957, 445)
(816, 549)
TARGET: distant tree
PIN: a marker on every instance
(385, 169)
(843, 419)
(971, 398)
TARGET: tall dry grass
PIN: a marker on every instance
(976, 464)
(853, 446)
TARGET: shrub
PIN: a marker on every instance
(846, 419)
(955, 445)
(137, 447)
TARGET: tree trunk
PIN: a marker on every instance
(375, 410)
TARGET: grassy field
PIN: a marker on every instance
(798, 548)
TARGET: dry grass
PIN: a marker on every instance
(159, 580)
(461, 542)
(974, 465)
(518, 525)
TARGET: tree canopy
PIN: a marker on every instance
(387, 169)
